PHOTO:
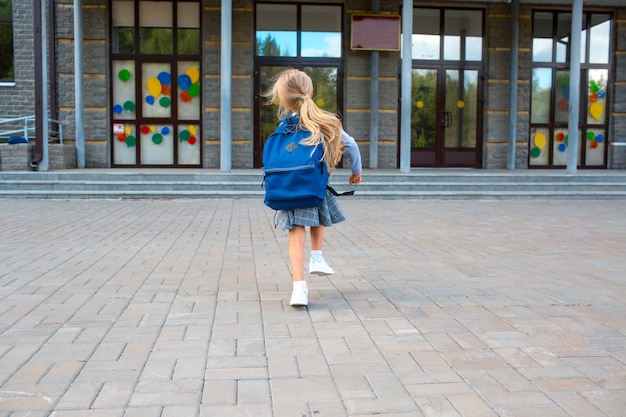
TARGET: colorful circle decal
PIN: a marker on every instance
(154, 86)
(164, 102)
(118, 109)
(157, 138)
(164, 78)
(124, 75)
(194, 90)
(184, 82)
(596, 110)
(188, 135)
(159, 89)
(129, 106)
(193, 74)
(130, 141)
(189, 84)
(540, 140)
(535, 152)
(419, 104)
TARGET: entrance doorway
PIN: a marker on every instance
(446, 113)
(306, 37)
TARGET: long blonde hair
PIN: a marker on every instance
(294, 91)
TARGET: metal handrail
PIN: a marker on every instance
(27, 128)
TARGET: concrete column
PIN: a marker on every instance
(407, 76)
(226, 87)
(78, 83)
(574, 87)
(513, 84)
(374, 103)
(40, 160)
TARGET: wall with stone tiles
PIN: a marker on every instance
(617, 149)
(95, 83)
(497, 88)
(357, 92)
(18, 99)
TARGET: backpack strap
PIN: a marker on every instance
(335, 193)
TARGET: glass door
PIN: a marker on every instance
(426, 117)
(446, 117)
(460, 118)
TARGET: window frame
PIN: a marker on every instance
(554, 126)
(174, 122)
(299, 31)
(9, 19)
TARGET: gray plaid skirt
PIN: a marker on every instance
(327, 214)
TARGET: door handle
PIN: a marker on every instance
(447, 119)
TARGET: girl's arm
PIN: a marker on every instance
(352, 150)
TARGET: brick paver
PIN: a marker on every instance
(123, 308)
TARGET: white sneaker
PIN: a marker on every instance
(300, 294)
(319, 266)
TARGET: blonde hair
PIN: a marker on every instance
(294, 91)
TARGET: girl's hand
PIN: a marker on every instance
(355, 179)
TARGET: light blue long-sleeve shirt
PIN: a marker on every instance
(353, 152)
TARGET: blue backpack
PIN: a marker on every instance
(295, 176)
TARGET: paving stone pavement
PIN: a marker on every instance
(179, 308)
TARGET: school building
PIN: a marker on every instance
(480, 84)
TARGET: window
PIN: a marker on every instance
(459, 39)
(6, 42)
(156, 87)
(550, 88)
(277, 32)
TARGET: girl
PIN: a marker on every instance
(293, 89)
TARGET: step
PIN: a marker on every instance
(467, 184)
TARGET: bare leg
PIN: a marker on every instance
(317, 237)
(297, 238)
